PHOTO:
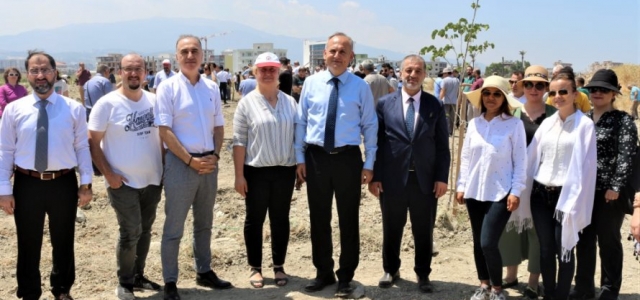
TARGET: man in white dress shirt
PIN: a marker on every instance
(189, 114)
(44, 135)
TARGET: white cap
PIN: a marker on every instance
(267, 59)
(166, 62)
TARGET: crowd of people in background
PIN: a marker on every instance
(545, 166)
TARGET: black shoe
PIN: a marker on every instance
(171, 291)
(211, 280)
(387, 280)
(579, 295)
(424, 285)
(143, 283)
(319, 283)
(344, 289)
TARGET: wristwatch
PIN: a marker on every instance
(216, 155)
(85, 186)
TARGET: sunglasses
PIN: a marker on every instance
(487, 93)
(13, 75)
(593, 90)
(539, 86)
(562, 92)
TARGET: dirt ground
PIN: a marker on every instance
(453, 274)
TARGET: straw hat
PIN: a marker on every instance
(499, 82)
(536, 73)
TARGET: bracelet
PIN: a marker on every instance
(190, 159)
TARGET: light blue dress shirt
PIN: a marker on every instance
(95, 88)
(355, 118)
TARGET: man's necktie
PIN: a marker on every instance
(42, 138)
(330, 126)
(410, 119)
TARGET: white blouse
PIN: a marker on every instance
(557, 146)
(493, 161)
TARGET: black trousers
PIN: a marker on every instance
(340, 174)
(606, 222)
(35, 198)
(270, 189)
(422, 211)
(224, 92)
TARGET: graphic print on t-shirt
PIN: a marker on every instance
(140, 120)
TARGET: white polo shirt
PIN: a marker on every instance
(191, 111)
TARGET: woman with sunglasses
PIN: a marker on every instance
(561, 176)
(616, 137)
(11, 90)
(492, 176)
(265, 165)
(210, 72)
(516, 246)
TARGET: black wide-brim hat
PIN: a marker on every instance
(605, 78)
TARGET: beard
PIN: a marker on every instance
(134, 87)
(42, 88)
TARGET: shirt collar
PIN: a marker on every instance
(416, 97)
(186, 80)
(52, 98)
(342, 77)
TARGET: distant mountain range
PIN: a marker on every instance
(83, 42)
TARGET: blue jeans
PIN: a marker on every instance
(136, 211)
(543, 206)
(488, 220)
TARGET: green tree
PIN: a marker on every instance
(462, 37)
(505, 70)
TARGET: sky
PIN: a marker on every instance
(578, 32)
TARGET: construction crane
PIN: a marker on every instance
(205, 38)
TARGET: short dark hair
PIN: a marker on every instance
(580, 81)
(387, 65)
(518, 73)
(33, 53)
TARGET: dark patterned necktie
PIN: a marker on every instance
(330, 126)
(42, 138)
(410, 119)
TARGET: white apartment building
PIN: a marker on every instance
(312, 53)
(245, 57)
(13, 63)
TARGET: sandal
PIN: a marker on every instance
(258, 284)
(506, 285)
(280, 281)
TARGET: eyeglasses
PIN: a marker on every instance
(594, 90)
(539, 86)
(131, 70)
(43, 71)
(562, 92)
(13, 74)
(487, 93)
(536, 75)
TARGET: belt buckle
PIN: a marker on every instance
(53, 175)
(334, 152)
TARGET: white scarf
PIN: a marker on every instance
(575, 203)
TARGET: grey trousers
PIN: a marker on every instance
(136, 211)
(185, 189)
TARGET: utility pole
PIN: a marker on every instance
(204, 38)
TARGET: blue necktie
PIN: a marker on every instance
(330, 126)
(410, 119)
(42, 138)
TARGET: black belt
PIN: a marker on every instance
(203, 154)
(547, 188)
(49, 175)
(334, 151)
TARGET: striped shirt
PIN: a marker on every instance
(266, 132)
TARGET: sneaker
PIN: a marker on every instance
(497, 296)
(530, 293)
(481, 293)
(124, 293)
(141, 282)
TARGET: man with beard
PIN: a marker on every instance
(126, 148)
(43, 137)
(467, 80)
(517, 90)
(161, 76)
(189, 114)
(410, 171)
(82, 76)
